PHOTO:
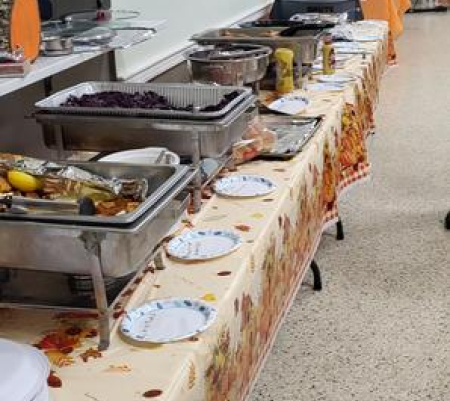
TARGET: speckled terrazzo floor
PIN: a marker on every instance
(380, 330)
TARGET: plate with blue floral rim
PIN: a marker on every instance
(201, 245)
(168, 320)
(338, 79)
(244, 186)
(320, 86)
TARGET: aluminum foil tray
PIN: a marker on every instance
(161, 180)
(179, 95)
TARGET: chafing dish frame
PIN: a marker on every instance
(91, 238)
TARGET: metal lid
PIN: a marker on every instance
(95, 35)
(229, 52)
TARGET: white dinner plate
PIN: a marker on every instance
(319, 66)
(338, 57)
(199, 245)
(367, 38)
(244, 186)
(168, 320)
(336, 79)
(320, 86)
(290, 105)
(142, 156)
(348, 47)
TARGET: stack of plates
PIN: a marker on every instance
(23, 373)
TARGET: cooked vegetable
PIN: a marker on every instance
(23, 182)
(145, 100)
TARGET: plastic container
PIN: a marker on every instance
(23, 373)
(328, 56)
(285, 70)
(142, 156)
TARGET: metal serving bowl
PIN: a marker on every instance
(233, 64)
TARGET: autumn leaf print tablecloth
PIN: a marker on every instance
(251, 288)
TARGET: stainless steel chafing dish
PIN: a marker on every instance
(80, 247)
(112, 130)
(303, 43)
(194, 97)
(114, 133)
(54, 242)
(231, 64)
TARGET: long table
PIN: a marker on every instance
(251, 289)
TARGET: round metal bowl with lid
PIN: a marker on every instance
(234, 64)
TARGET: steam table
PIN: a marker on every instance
(252, 288)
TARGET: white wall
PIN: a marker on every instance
(184, 19)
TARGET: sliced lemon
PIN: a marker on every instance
(23, 182)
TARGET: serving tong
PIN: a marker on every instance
(22, 205)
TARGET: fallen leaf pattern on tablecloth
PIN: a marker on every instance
(61, 345)
(192, 376)
(243, 227)
(118, 313)
(209, 297)
(252, 264)
(90, 353)
(118, 369)
(152, 393)
(59, 341)
(254, 309)
(257, 216)
(241, 344)
(54, 381)
(215, 218)
(59, 359)
(352, 150)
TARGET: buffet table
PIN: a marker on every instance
(251, 289)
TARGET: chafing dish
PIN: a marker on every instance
(91, 255)
(178, 95)
(114, 133)
(185, 133)
(231, 64)
(54, 242)
(303, 43)
(160, 180)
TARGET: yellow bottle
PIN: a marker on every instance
(285, 70)
(328, 56)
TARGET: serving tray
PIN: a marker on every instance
(178, 95)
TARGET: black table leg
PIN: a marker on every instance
(447, 221)
(339, 230)
(317, 277)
